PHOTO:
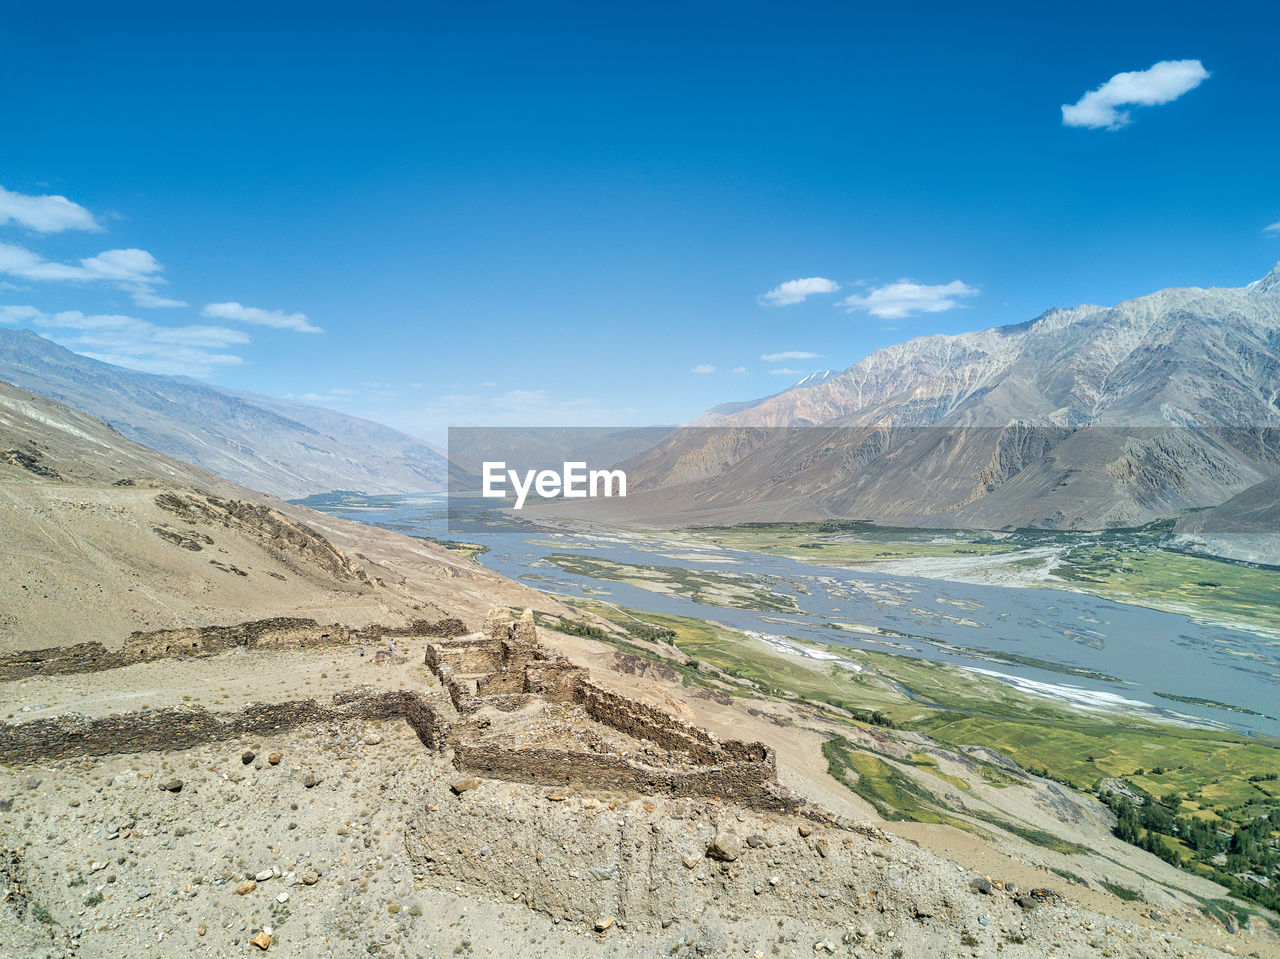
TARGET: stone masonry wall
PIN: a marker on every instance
(751, 783)
(501, 682)
(160, 729)
(557, 682)
(645, 722)
(467, 657)
(278, 633)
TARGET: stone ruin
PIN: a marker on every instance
(507, 708)
(528, 715)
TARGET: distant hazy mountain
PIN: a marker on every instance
(1187, 380)
(287, 449)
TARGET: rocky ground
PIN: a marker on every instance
(357, 826)
(348, 840)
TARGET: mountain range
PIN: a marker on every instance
(287, 449)
(1082, 418)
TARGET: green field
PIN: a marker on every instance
(1231, 782)
(1126, 565)
(714, 588)
(1208, 589)
(852, 543)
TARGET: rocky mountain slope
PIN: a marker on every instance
(287, 449)
(717, 414)
(1181, 356)
(103, 537)
(1243, 528)
(1082, 418)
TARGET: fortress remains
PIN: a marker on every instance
(499, 702)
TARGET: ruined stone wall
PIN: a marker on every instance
(80, 658)
(751, 783)
(278, 633)
(502, 682)
(460, 693)
(643, 721)
(509, 702)
(281, 633)
(442, 628)
(181, 728)
(556, 681)
(467, 657)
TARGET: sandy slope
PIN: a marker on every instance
(91, 554)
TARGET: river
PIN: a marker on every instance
(1145, 649)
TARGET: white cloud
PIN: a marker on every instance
(521, 400)
(133, 343)
(906, 297)
(121, 266)
(703, 368)
(277, 319)
(796, 291)
(136, 271)
(124, 266)
(1164, 82)
(44, 214)
(786, 372)
(517, 407)
(739, 370)
(147, 297)
(788, 355)
(1273, 229)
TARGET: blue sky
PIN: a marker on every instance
(557, 213)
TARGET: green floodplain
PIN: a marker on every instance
(1207, 800)
(1128, 566)
(715, 588)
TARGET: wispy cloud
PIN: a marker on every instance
(739, 370)
(785, 371)
(44, 214)
(1162, 83)
(120, 266)
(788, 355)
(147, 297)
(517, 407)
(1272, 229)
(334, 396)
(907, 297)
(137, 344)
(703, 368)
(135, 271)
(14, 315)
(796, 291)
(277, 319)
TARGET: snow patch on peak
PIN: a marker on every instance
(813, 379)
(1268, 284)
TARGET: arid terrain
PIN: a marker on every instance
(232, 725)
